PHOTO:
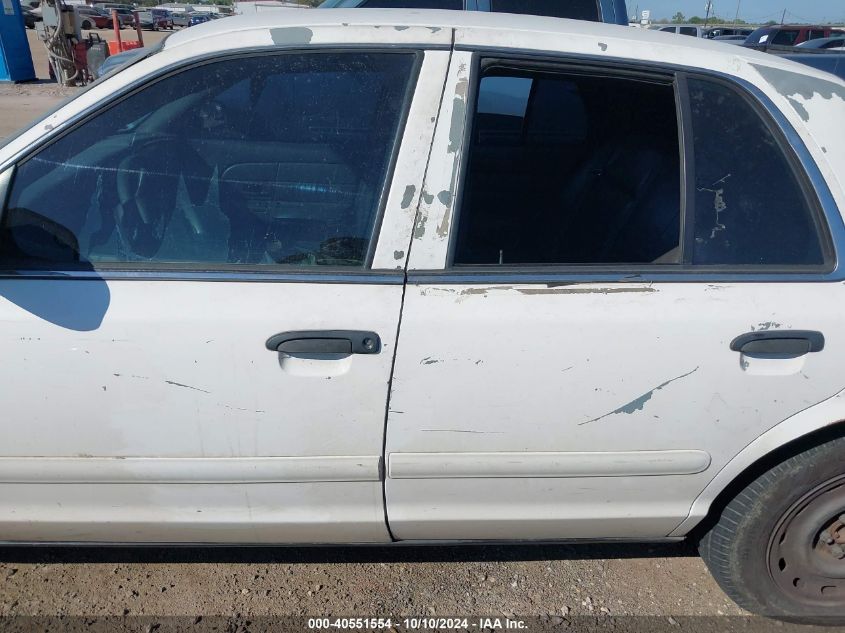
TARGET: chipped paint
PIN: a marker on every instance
(456, 131)
(398, 254)
(602, 46)
(765, 326)
(419, 228)
(581, 291)
(179, 384)
(291, 35)
(461, 431)
(791, 85)
(637, 404)
(719, 205)
(428, 360)
(401, 28)
(408, 196)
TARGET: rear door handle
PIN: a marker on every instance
(325, 342)
(792, 342)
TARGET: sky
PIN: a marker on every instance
(749, 10)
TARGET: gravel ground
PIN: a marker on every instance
(22, 103)
(598, 580)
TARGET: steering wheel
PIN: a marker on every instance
(147, 182)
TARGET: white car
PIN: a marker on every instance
(406, 276)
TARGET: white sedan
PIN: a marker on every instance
(394, 276)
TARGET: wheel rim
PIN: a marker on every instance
(806, 555)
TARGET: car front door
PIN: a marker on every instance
(199, 302)
(591, 332)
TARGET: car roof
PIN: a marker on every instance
(473, 28)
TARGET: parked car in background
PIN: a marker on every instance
(692, 30)
(153, 21)
(724, 31)
(198, 18)
(739, 40)
(92, 18)
(610, 11)
(180, 18)
(653, 352)
(825, 43)
(788, 35)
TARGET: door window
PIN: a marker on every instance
(558, 173)
(749, 206)
(265, 160)
(573, 9)
(688, 30)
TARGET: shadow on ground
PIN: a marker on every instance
(355, 554)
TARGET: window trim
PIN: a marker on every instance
(826, 216)
(202, 269)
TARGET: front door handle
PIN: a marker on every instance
(325, 342)
(790, 342)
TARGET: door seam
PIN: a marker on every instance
(383, 460)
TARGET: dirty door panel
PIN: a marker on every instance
(536, 395)
(143, 400)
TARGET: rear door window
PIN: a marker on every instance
(573, 9)
(749, 205)
(557, 174)
(268, 160)
(689, 30)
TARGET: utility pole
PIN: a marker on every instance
(736, 19)
(708, 7)
(783, 17)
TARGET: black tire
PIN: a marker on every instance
(86, 25)
(769, 548)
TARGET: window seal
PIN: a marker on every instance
(686, 136)
(829, 218)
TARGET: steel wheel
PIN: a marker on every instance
(807, 550)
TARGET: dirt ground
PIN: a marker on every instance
(596, 580)
(600, 580)
(22, 103)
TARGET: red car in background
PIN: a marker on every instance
(90, 18)
(787, 35)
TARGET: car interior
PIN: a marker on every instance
(571, 168)
(269, 160)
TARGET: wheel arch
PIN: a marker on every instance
(811, 427)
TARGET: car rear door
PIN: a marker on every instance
(582, 350)
(200, 297)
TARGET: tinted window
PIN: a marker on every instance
(574, 9)
(412, 4)
(558, 173)
(668, 29)
(688, 30)
(785, 38)
(749, 207)
(266, 160)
